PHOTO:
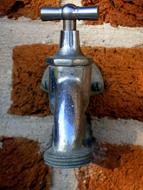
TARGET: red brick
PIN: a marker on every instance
(122, 71)
(28, 8)
(118, 12)
(115, 167)
(21, 166)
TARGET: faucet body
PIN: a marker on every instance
(69, 92)
(69, 80)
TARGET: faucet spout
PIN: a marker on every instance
(68, 117)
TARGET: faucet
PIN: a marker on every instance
(70, 79)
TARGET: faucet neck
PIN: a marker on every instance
(69, 40)
(69, 25)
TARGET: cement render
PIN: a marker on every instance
(25, 31)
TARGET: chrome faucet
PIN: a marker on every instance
(70, 80)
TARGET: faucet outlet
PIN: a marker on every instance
(70, 79)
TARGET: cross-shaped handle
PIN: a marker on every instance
(69, 12)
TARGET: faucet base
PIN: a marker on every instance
(72, 159)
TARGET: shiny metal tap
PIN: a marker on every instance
(70, 80)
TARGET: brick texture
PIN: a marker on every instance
(28, 8)
(28, 68)
(118, 12)
(122, 71)
(114, 167)
(21, 166)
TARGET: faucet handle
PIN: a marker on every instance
(69, 12)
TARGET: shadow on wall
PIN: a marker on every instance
(114, 167)
(109, 156)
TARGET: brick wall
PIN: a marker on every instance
(27, 8)
(22, 166)
(121, 69)
(118, 12)
(115, 42)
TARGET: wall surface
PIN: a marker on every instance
(116, 44)
(22, 166)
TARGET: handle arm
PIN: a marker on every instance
(69, 12)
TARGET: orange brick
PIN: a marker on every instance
(118, 12)
(27, 8)
(21, 166)
(114, 167)
(122, 71)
